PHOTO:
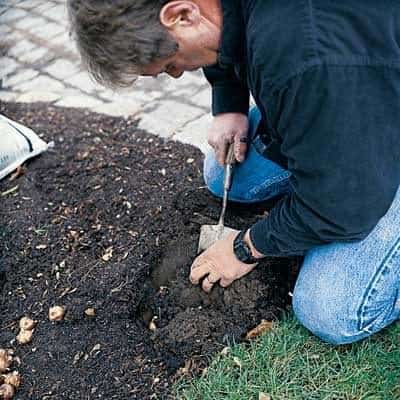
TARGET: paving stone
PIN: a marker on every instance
(30, 4)
(203, 98)
(64, 39)
(149, 88)
(38, 95)
(12, 38)
(162, 84)
(147, 83)
(143, 96)
(120, 109)
(12, 14)
(195, 133)
(83, 82)
(41, 83)
(65, 42)
(62, 69)
(28, 23)
(58, 13)
(166, 117)
(81, 101)
(72, 92)
(7, 95)
(43, 7)
(7, 66)
(48, 30)
(20, 76)
(4, 30)
(186, 85)
(190, 77)
(34, 56)
(198, 72)
(20, 47)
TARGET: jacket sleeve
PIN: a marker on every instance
(229, 94)
(337, 126)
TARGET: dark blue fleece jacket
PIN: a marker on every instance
(325, 75)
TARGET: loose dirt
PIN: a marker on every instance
(109, 219)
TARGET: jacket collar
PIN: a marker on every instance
(233, 38)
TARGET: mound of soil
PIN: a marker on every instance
(109, 219)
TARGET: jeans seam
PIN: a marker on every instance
(270, 182)
(385, 266)
(258, 144)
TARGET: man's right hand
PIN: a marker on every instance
(227, 128)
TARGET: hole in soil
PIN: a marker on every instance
(187, 322)
(163, 278)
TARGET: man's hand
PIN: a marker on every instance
(225, 129)
(219, 264)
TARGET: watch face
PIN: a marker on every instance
(240, 248)
(242, 252)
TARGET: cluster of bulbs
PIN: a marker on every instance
(10, 381)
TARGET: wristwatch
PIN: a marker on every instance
(242, 250)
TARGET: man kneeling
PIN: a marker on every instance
(325, 77)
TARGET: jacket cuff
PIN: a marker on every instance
(259, 240)
(230, 99)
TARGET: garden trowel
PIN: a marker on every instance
(209, 234)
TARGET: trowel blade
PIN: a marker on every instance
(209, 234)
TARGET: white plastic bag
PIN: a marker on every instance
(17, 144)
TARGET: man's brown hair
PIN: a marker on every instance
(116, 38)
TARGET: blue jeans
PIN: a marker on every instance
(345, 291)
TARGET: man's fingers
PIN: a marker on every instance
(209, 281)
(225, 282)
(241, 147)
(198, 272)
(207, 285)
(220, 153)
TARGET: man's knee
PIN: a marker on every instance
(337, 304)
(330, 320)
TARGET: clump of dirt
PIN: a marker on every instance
(109, 219)
(191, 321)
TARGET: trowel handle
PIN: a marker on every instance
(229, 164)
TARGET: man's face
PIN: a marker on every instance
(189, 57)
(196, 33)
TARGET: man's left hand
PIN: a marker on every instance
(219, 264)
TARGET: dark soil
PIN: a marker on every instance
(109, 219)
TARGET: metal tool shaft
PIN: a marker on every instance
(228, 171)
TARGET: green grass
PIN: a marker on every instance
(290, 364)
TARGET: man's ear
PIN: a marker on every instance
(179, 13)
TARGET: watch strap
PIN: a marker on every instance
(242, 250)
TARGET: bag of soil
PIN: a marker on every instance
(17, 144)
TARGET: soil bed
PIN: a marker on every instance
(109, 219)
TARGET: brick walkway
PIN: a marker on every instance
(42, 64)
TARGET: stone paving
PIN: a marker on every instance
(42, 64)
